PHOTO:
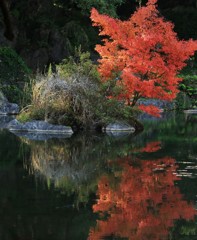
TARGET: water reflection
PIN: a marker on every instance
(137, 192)
(140, 201)
(75, 165)
(100, 187)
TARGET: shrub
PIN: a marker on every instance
(13, 74)
(79, 64)
(74, 96)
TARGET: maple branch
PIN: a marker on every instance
(136, 97)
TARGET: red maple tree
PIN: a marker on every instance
(142, 55)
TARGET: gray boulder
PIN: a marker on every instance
(7, 108)
(38, 127)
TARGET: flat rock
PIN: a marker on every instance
(38, 127)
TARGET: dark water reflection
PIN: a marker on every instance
(95, 186)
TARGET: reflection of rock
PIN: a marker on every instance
(118, 134)
(38, 127)
(190, 111)
(6, 107)
(191, 115)
(40, 136)
(119, 129)
(4, 121)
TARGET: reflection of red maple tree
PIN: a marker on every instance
(144, 204)
(151, 147)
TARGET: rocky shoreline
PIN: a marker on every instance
(42, 130)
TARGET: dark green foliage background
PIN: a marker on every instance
(13, 74)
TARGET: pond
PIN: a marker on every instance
(99, 186)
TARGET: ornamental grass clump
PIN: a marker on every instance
(67, 100)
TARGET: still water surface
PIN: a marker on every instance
(97, 186)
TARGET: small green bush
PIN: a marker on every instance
(13, 74)
(79, 64)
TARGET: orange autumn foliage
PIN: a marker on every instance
(143, 205)
(143, 55)
(151, 147)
